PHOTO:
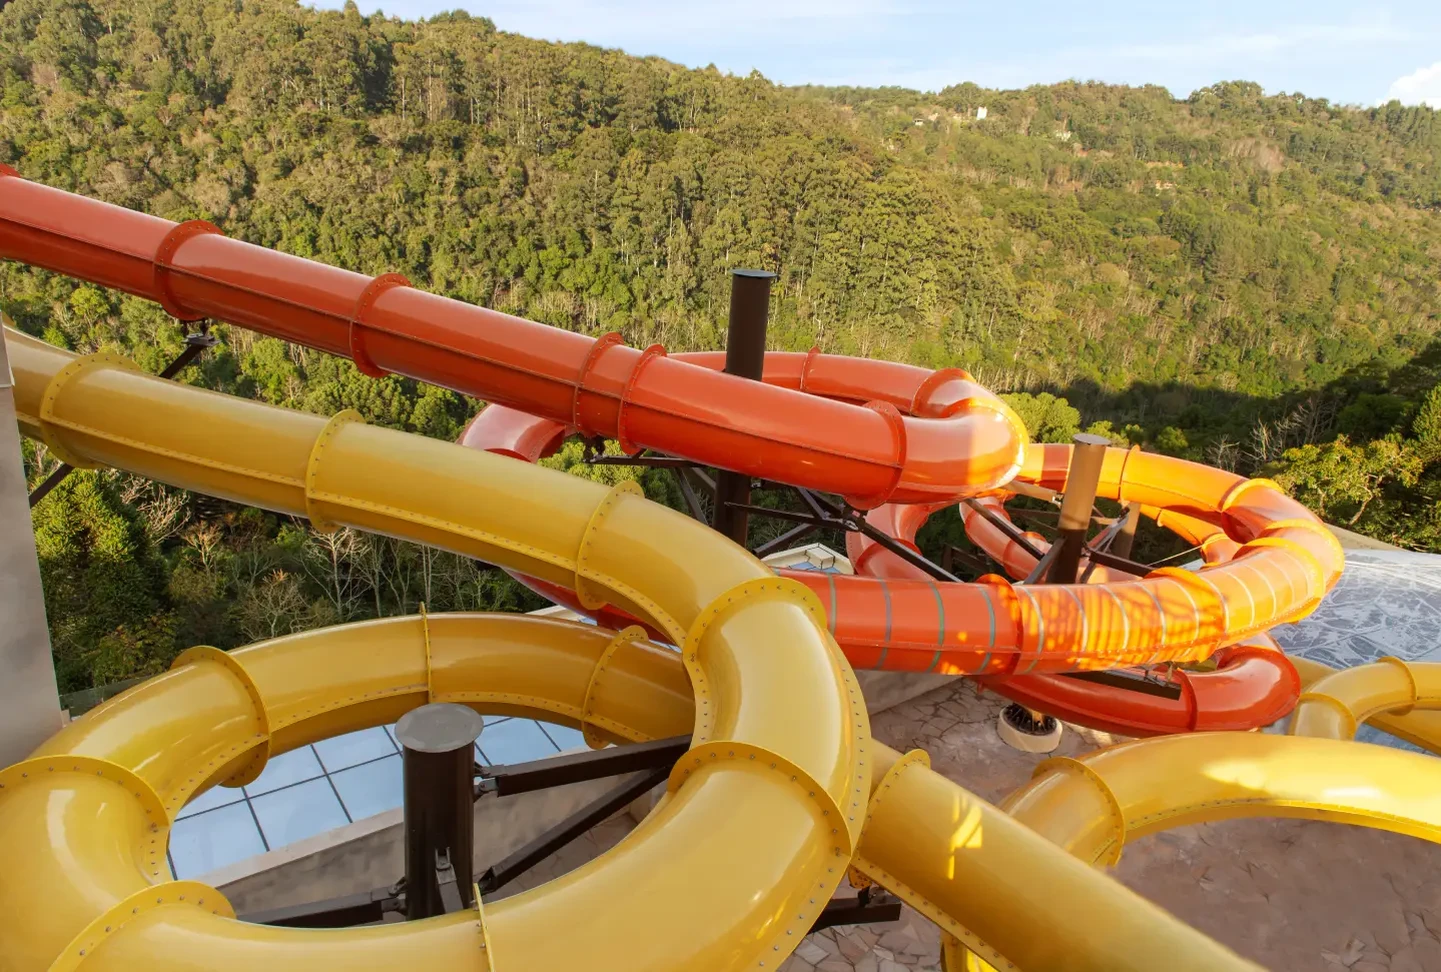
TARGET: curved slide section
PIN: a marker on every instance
(892, 616)
(1253, 683)
(920, 437)
(959, 439)
(95, 842)
(92, 842)
(1419, 726)
(1398, 696)
(1094, 805)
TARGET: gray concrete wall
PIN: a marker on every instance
(29, 703)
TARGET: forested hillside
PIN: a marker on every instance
(1250, 280)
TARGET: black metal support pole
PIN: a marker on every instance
(1087, 454)
(745, 356)
(439, 748)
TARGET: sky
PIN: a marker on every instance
(1351, 54)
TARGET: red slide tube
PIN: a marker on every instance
(958, 440)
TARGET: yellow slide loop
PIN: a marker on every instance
(967, 940)
(260, 755)
(1110, 850)
(1337, 723)
(36, 768)
(312, 467)
(1225, 775)
(590, 720)
(429, 666)
(713, 613)
(191, 894)
(699, 758)
(1420, 726)
(1336, 705)
(484, 929)
(593, 596)
(52, 393)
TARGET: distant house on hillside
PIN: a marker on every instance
(980, 114)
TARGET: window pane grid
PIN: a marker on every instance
(318, 787)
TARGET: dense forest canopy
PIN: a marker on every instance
(1241, 278)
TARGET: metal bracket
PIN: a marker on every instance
(542, 774)
(445, 880)
(517, 863)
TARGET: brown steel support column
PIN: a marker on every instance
(1126, 536)
(438, 743)
(1087, 454)
(745, 356)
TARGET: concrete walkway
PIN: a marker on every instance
(1291, 895)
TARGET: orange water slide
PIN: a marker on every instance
(1253, 682)
(919, 437)
(956, 439)
(892, 617)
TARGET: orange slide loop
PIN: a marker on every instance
(811, 357)
(626, 397)
(892, 415)
(165, 254)
(921, 401)
(803, 424)
(1017, 638)
(368, 297)
(601, 345)
(821, 439)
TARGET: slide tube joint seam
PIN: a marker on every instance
(47, 420)
(191, 893)
(728, 751)
(597, 348)
(356, 326)
(163, 264)
(887, 880)
(312, 466)
(1111, 850)
(626, 636)
(40, 767)
(589, 597)
(721, 606)
(627, 395)
(260, 755)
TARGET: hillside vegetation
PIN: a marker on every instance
(1245, 279)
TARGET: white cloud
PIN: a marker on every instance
(1420, 87)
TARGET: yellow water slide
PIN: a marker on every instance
(1093, 806)
(761, 819)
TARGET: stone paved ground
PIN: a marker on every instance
(1290, 894)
